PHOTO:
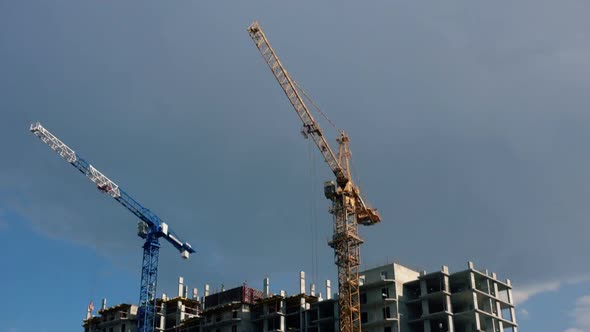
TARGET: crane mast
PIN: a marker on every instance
(348, 208)
(151, 227)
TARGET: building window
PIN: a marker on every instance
(361, 280)
(386, 312)
(387, 329)
(363, 298)
(123, 328)
(383, 275)
(234, 314)
(385, 292)
(234, 328)
(218, 318)
(364, 317)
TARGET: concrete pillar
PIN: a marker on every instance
(328, 290)
(264, 313)
(185, 292)
(180, 311)
(163, 314)
(474, 300)
(312, 289)
(89, 310)
(180, 286)
(448, 305)
(511, 301)
(450, 324)
(447, 288)
(472, 281)
(205, 294)
(302, 307)
(445, 272)
(497, 304)
(104, 304)
(424, 291)
(266, 287)
(474, 297)
(283, 311)
(424, 302)
(195, 294)
(494, 324)
(494, 290)
(301, 282)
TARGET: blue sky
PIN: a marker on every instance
(465, 118)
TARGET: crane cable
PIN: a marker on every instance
(313, 213)
(313, 173)
(315, 106)
(354, 174)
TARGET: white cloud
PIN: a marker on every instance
(524, 314)
(582, 312)
(524, 293)
(581, 315)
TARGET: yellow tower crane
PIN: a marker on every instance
(348, 208)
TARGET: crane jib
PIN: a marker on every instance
(290, 90)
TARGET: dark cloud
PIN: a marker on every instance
(468, 123)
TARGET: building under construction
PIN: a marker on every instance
(393, 298)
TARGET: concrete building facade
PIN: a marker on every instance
(120, 318)
(382, 298)
(393, 298)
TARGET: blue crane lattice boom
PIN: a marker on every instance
(151, 227)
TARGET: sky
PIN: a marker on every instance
(468, 123)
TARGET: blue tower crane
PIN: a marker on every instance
(150, 227)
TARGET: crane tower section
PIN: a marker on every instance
(348, 207)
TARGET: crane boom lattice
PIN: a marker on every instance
(151, 227)
(310, 126)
